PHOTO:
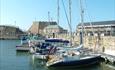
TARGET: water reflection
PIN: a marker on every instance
(37, 64)
(105, 66)
(93, 67)
(22, 53)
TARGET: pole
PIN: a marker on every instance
(70, 22)
(58, 13)
(49, 16)
(82, 20)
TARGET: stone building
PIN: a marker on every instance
(38, 26)
(103, 28)
(46, 28)
(10, 31)
(53, 30)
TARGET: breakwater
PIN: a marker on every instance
(101, 43)
(9, 37)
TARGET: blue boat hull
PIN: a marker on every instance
(78, 63)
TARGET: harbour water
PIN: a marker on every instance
(12, 60)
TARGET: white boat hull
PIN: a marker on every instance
(39, 56)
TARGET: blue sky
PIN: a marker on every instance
(24, 12)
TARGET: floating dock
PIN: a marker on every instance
(23, 48)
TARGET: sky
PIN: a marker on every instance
(21, 13)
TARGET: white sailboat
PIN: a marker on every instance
(72, 57)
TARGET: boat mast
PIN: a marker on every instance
(48, 16)
(58, 13)
(68, 20)
(82, 21)
(70, 23)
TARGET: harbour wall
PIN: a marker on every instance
(101, 43)
(10, 32)
(5, 37)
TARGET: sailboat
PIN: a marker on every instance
(72, 56)
(49, 47)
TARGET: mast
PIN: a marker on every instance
(70, 23)
(58, 12)
(68, 20)
(15, 26)
(49, 16)
(15, 22)
(82, 21)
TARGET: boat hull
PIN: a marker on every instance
(39, 56)
(77, 63)
(22, 49)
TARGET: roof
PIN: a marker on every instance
(9, 26)
(53, 27)
(100, 23)
(45, 22)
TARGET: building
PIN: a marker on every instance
(53, 30)
(103, 28)
(38, 26)
(10, 32)
(45, 28)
